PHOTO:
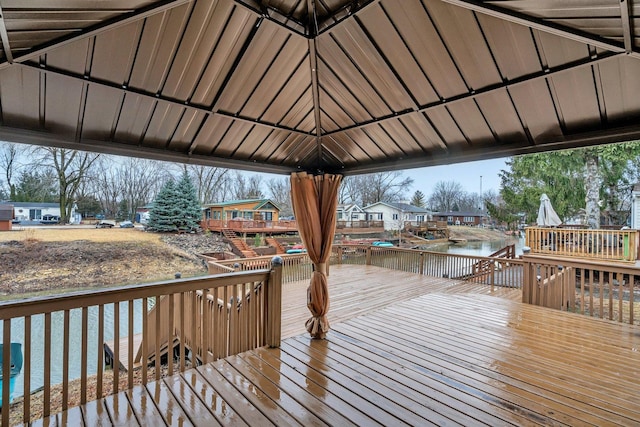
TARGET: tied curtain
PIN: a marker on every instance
(315, 199)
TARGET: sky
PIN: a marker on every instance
(467, 174)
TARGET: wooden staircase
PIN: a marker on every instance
(275, 244)
(240, 246)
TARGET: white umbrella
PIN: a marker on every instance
(547, 217)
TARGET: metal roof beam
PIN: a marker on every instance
(5, 38)
(313, 63)
(483, 91)
(265, 12)
(354, 7)
(607, 136)
(93, 30)
(33, 137)
(627, 31)
(156, 97)
(542, 25)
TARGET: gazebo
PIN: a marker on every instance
(319, 88)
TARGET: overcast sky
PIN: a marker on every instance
(467, 174)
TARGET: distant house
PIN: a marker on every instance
(394, 215)
(460, 218)
(635, 207)
(251, 209)
(34, 211)
(350, 212)
(6, 216)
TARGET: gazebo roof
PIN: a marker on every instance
(331, 85)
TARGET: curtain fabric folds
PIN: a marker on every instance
(315, 199)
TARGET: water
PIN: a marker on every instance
(75, 341)
(475, 248)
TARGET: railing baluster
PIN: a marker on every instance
(116, 347)
(46, 404)
(26, 375)
(182, 332)
(130, 345)
(99, 375)
(170, 336)
(158, 332)
(6, 368)
(84, 348)
(65, 360)
(144, 358)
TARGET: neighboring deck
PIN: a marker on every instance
(437, 351)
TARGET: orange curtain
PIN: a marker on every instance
(315, 199)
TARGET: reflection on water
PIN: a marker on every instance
(475, 248)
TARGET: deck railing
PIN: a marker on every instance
(223, 314)
(248, 225)
(593, 288)
(615, 245)
(495, 271)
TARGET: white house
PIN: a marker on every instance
(394, 215)
(350, 212)
(635, 207)
(34, 211)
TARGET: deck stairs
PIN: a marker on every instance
(482, 268)
(240, 246)
(275, 244)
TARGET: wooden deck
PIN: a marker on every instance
(437, 352)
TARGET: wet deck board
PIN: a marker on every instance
(436, 359)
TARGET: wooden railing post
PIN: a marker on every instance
(421, 266)
(274, 304)
(339, 260)
(368, 258)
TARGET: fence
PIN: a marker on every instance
(615, 245)
(211, 317)
(596, 289)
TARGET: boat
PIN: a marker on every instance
(14, 370)
(383, 244)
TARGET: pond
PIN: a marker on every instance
(477, 248)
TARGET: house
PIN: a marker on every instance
(350, 212)
(460, 218)
(34, 211)
(635, 207)
(250, 209)
(394, 215)
(6, 216)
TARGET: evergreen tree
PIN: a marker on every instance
(419, 199)
(165, 209)
(189, 205)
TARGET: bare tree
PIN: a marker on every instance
(375, 187)
(211, 183)
(280, 192)
(71, 168)
(9, 162)
(105, 184)
(247, 188)
(139, 183)
(446, 195)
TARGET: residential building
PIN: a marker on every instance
(460, 218)
(250, 209)
(394, 215)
